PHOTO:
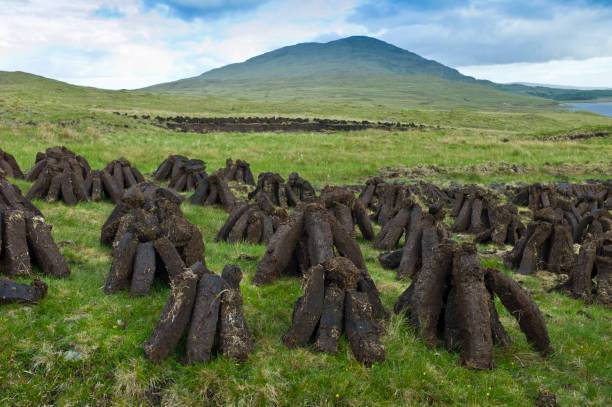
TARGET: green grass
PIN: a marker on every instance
(81, 347)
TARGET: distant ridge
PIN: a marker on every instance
(359, 64)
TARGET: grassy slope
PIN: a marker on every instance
(38, 344)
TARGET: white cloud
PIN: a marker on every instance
(591, 72)
(62, 39)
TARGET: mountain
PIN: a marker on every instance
(366, 69)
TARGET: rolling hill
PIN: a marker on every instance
(367, 69)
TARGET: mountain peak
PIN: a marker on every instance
(356, 55)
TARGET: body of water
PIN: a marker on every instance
(603, 108)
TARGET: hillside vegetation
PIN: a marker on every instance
(82, 347)
(364, 68)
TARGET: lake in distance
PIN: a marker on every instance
(603, 108)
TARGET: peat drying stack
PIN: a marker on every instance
(238, 171)
(26, 238)
(206, 309)
(595, 223)
(101, 185)
(332, 304)
(273, 186)
(406, 219)
(348, 210)
(252, 222)
(150, 236)
(590, 278)
(451, 301)
(424, 230)
(478, 212)
(214, 191)
(9, 166)
(309, 237)
(383, 199)
(183, 174)
(584, 197)
(502, 225)
(59, 174)
(299, 190)
(124, 173)
(547, 244)
(431, 194)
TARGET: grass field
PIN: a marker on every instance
(81, 347)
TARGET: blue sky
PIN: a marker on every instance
(134, 43)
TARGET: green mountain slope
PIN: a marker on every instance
(366, 68)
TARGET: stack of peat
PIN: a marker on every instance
(239, 171)
(596, 223)
(585, 197)
(150, 236)
(123, 176)
(535, 196)
(208, 310)
(348, 210)
(9, 166)
(423, 230)
(332, 304)
(59, 174)
(25, 240)
(308, 238)
(430, 194)
(299, 190)
(214, 191)
(478, 212)
(183, 173)
(590, 278)
(252, 222)
(451, 301)
(383, 199)
(273, 186)
(547, 244)
(582, 206)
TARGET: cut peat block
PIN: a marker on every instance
(150, 237)
(12, 292)
(59, 175)
(184, 174)
(9, 166)
(310, 236)
(348, 210)
(547, 244)
(450, 301)
(207, 310)
(238, 171)
(25, 237)
(590, 278)
(333, 303)
(214, 191)
(252, 222)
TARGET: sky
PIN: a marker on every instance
(129, 44)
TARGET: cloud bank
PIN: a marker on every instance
(135, 43)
